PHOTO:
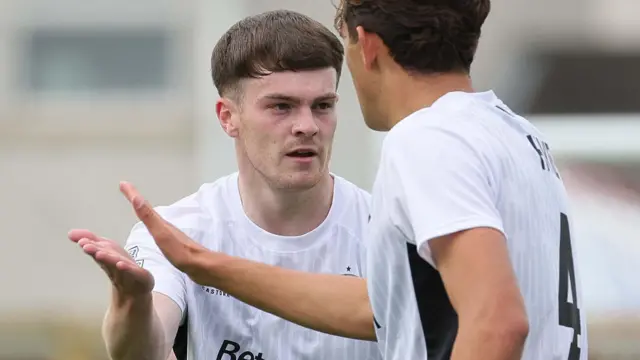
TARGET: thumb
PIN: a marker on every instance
(144, 211)
(174, 244)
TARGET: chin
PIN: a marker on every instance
(373, 119)
(375, 125)
(301, 180)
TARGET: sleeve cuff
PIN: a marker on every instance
(422, 239)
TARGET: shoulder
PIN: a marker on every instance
(351, 196)
(195, 212)
(425, 126)
(351, 192)
(444, 149)
(443, 136)
(352, 207)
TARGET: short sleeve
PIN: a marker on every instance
(442, 183)
(362, 258)
(362, 253)
(168, 280)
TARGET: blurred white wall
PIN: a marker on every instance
(62, 154)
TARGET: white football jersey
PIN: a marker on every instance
(221, 327)
(468, 161)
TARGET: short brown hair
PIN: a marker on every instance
(424, 36)
(270, 42)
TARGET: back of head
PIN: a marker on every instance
(423, 36)
(272, 42)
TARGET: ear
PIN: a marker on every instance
(370, 46)
(227, 112)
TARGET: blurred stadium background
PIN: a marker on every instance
(94, 92)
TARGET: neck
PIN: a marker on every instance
(285, 212)
(409, 93)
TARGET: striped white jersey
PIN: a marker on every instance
(216, 325)
(468, 161)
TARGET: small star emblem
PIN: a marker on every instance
(348, 268)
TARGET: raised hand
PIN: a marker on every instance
(129, 279)
(181, 251)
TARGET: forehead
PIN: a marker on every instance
(303, 84)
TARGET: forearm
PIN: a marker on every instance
(494, 342)
(133, 331)
(333, 304)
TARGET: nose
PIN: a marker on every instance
(305, 125)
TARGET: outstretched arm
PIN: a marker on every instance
(139, 323)
(333, 304)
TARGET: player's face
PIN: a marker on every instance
(286, 126)
(366, 82)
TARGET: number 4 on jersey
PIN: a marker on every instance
(569, 313)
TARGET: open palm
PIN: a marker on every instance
(125, 275)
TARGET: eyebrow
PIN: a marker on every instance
(293, 99)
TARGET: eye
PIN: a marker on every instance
(324, 106)
(281, 106)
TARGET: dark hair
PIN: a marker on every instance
(270, 42)
(424, 36)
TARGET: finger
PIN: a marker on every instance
(86, 241)
(110, 259)
(90, 245)
(106, 262)
(143, 209)
(118, 268)
(112, 264)
(177, 247)
(103, 244)
(131, 268)
(126, 266)
(90, 248)
(162, 231)
(76, 235)
(131, 278)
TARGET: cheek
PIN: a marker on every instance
(259, 140)
(357, 82)
(331, 124)
(353, 61)
(255, 124)
(262, 138)
(251, 133)
(262, 151)
(347, 59)
(326, 124)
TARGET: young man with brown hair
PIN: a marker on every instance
(277, 75)
(469, 253)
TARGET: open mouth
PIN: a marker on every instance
(302, 154)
